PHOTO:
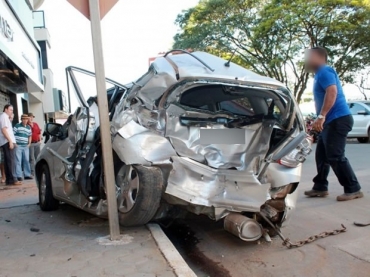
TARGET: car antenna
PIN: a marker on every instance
(227, 64)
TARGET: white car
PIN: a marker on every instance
(360, 111)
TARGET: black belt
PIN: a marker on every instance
(35, 141)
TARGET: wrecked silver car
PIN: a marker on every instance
(195, 133)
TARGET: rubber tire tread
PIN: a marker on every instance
(148, 197)
(50, 204)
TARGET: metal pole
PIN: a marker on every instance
(109, 179)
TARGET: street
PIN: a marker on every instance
(69, 242)
(218, 253)
(65, 239)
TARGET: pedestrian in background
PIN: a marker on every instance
(7, 143)
(23, 134)
(2, 168)
(334, 121)
(35, 142)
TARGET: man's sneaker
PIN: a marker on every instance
(350, 196)
(20, 179)
(28, 177)
(316, 193)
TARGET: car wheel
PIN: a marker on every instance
(363, 140)
(139, 194)
(46, 198)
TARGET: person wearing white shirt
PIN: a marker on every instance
(7, 143)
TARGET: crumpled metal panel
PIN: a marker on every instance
(162, 76)
(155, 88)
(137, 145)
(151, 119)
(279, 175)
(130, 129)
(290, 205)
(94, 109)
(199, 184)
(77, 129)
(186, 141)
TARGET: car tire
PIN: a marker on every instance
(140, 192)
(365, 139)
(47, 201)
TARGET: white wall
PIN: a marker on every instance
(48, 97)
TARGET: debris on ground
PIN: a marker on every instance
(359, 224)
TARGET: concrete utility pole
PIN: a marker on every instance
(106, 142)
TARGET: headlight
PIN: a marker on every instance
(298, 155)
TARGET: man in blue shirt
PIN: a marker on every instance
(334, 121)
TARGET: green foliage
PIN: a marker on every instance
(270, 36)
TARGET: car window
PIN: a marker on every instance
(355, 108)
(215, 99)
(240, 106)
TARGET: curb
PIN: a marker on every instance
(170, 253)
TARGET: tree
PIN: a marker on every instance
(363, 82)
(270, 36)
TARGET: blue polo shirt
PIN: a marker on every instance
(324, 78)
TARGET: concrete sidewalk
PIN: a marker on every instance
(69, 242)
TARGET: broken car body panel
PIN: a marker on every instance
(212, 128)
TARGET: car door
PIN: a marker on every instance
(70, 155)
(360, 120)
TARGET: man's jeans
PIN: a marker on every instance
(330, 152)
(22, 160)
(9, 163)
(34, 153)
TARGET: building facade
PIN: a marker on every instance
(26, 81)
(21, 78)
(54, 101)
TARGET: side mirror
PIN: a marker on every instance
(54, 130)
(362, 112)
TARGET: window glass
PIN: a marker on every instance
(355, 108)
(217, 99)
(240, 106)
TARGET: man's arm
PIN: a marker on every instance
(329, 100)
(327, 80)
(29, 140)
(4, 130)
(39, 131)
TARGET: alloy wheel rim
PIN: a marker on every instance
(43, 188)
(128, 188)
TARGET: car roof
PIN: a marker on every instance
(189, 66)
(165, 72)
(359, 101)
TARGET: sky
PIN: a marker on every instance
(133, 31)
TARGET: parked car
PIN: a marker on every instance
(195, 133)
(360, 111)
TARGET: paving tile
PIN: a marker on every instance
(65, 248)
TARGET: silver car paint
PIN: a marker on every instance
(149, 133)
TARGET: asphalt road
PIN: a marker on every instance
(220, 254)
